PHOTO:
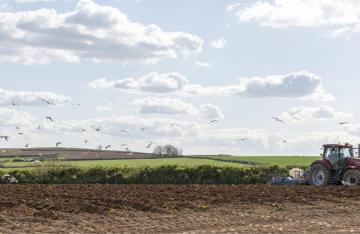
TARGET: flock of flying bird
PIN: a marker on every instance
(283, 122)
(149, 143)
(107, 147)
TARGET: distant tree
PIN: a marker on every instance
(168, 151)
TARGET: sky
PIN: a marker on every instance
(206, 76)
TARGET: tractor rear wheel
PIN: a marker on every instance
(351, 177)
(319, 175)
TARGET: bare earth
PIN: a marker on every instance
(178, 209)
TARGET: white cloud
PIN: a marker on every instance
(302, 114)
(171, 106)
(150, 83)
(299, 84)
(13, 117)
(210, 111)
(202, 64)
(218, 43)
(28, 98)
(336, 14)
(153, 105)
(90, 32)
(191, 136)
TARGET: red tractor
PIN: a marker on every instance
(339, 164)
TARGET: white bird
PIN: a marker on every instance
(49, 118)
(241, 139)
(213, 121)
(343, 123)
(17, 127)
(107, 147)
(38, 127)
(142, 129)
(14, 104)
(27, 146)
(58, 143)
(83, 129)
(283, 141)
(99, 147)
(278, 120)
(172, 124)
(21, 133)
(86, 141)
(150, 144)
(46, 101)
(124, 131)
(98, 129)
(5, 137)
(123, 145)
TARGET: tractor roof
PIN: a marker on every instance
(338, 145)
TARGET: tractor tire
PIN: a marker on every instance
(319, 175)
(351, 177)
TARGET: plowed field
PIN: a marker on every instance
(178, 209)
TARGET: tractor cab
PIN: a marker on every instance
(337, 154)
(339, 164)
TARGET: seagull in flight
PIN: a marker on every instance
(124, 131)
(150, 144)
(5, 137)
(98, 129)
(86, 141)
(58, 143)
(17, 127)
(27, 146)
(242, 139)
(38, 127)
(49, 118)
(46, 101)
(283, 141)
(14, 104)
(343, 123)
(107, 147)
(142, 129)
(278, 120)
(213, 121)
(21, 133)
(172, 124)
(123, 145)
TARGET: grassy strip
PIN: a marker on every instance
(150, 175)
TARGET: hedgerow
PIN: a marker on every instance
(149, 175)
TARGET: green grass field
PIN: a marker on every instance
(191, 161)
(183, 162)
(267, 160)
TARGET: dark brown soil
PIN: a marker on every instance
(178, 208)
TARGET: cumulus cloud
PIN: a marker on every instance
(218, 43)
(150, 83)
(299, 84)
(90, 32)
(303, 113)
(28, 98)
(13, 117)
(190, 136)
(171, 106)
(211, 111)
(300, 13)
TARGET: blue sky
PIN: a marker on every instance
(171, 67)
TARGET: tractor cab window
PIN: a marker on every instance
(346, 153)
(332, 154)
